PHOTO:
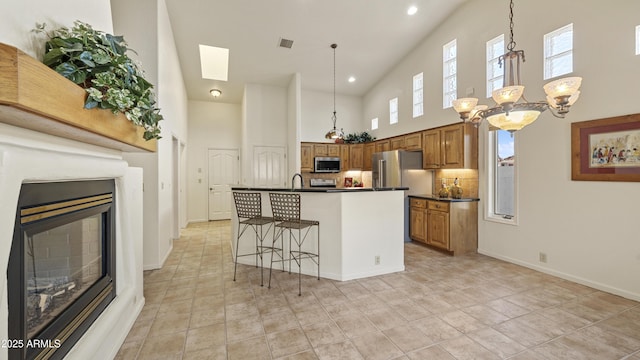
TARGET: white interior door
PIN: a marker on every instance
(269, 166)
(223, 173)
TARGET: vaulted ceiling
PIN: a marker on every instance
(372, 36)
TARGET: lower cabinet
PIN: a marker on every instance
(417, 223)
(450, 226)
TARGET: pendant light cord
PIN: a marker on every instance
(512, 44)
(334, 46)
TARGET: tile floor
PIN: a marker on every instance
(441, 307)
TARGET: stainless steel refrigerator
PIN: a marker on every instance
(399, 168)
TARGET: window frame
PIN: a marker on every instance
(492, 59)
(446, 76)
(418, 95)
(491, 152)
(374, 124)
(393, 115)
(547, 47)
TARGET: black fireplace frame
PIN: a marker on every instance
(57, 339)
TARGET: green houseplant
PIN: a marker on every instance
(98, 62)
(356, 138)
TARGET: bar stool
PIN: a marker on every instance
(286, 213)
(249, 210)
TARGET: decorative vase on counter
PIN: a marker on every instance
(456, 190)
(444, 192)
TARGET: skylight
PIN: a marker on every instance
(214, 62)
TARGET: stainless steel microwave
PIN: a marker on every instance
(326, 164)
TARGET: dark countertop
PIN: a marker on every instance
(448, 199)
(320, 189)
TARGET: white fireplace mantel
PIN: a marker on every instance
(46, 135)
(28, 156)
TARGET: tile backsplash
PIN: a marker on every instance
(467, 179)
(361, 176)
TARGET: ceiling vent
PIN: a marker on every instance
(285, 43)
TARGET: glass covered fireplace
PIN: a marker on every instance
(61, 272)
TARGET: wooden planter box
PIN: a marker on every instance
(35, 97)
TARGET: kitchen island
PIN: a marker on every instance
(361, 230)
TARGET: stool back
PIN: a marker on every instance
(248, 205)
(285, 207)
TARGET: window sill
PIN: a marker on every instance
(502, 220)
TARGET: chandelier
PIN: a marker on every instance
(512, 111)
(334, 133)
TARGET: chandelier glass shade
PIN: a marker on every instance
(334, 133)
(512, 111)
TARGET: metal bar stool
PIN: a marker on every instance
(249, 210)
(286, 213)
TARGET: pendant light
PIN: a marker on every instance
(334, 133)
(512, 111)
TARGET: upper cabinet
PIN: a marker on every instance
(413, 141)
(356, 156)
(383, 145)
(369, 149)
(397, 143)
(450, 147)
(345, 158)
(306, 157)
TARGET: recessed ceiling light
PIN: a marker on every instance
(352, 79)
(412, 10)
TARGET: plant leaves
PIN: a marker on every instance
(90, 104)
(86, 58)
(52, 57)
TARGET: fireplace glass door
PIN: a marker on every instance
(61, 272)
(60, 265)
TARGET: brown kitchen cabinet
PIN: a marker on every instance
(355, 156)
(345, 161)
(306, 157)
(369, 149)
(451, 226)
(413, 141)
(418, 224)
(397, 143)
(320, 150)
(450, 147)
(383, 145)
(333, 150)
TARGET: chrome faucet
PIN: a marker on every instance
(293, 179)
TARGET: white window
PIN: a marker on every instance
(418, 96)
(558, 52)
(374, 123)
(449, 81)
(638, 40)
(393, 111)
(495, 74)
(502, 184)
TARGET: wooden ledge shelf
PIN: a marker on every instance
(35, 97)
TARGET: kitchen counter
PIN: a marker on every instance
(436, 197)
(320, 189)
(361, 230)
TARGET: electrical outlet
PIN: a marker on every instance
(377, 260)
(543, 257)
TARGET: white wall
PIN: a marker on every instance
(264, 123)
(153, 41)
(294, 120)
(18, 18)
(211, 126)
(317, 109)
(587, 229)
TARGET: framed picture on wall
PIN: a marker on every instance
(606, 149)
